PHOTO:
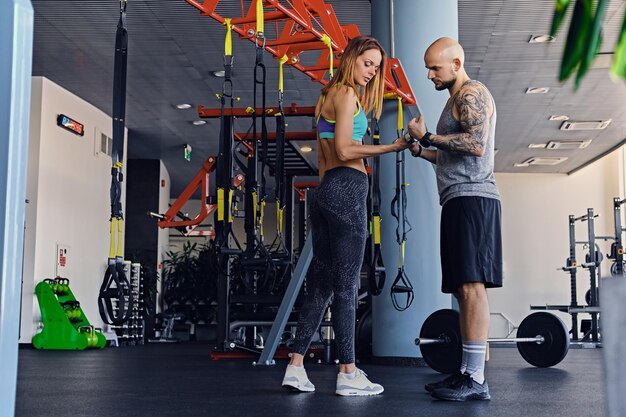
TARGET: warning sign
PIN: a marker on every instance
(62, 258)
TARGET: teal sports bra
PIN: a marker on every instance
(326, 127)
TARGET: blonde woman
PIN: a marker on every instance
(338, 212)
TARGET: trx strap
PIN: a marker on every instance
(115, 286)
(259, 65)
(279, 167)
(376, 273)
(402, 284)
(225, 194)
(329, 43)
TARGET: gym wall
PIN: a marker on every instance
(68, 201)
(535, 210)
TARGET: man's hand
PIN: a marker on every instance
(417, 127)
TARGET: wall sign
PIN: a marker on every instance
(70, 124)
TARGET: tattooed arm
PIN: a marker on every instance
(473, 107)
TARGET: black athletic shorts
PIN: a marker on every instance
(471, 242)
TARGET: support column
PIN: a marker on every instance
(16, 32)
(416, 24)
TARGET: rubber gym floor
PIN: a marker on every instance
(181, 380)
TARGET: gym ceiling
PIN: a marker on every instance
(173, 53)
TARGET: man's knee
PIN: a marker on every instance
(470, 291)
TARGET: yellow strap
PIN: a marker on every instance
(328, 42)
(118, 165)
(230, 204)
(120, 238)
(280, 73)
(376, 233)
(279, 216)
(401, 259)
(220, 204)
(112, 228)
(228, 42)
(255, 203)
(261, 218)
(400, 121)
(260, 24)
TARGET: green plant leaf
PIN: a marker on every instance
(594, 42)
(618, 68)
(560, 7)
(577, 37)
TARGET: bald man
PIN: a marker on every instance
(471, 242)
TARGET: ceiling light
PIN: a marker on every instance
(541, 160)
(218, 73)
(541, 39)
(537, 90)
(568, 144)
(199, 122)
(183, 106)
(559, 117)
(537, 146)
(585, 125)
(306, 148)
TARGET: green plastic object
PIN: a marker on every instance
(65, 326)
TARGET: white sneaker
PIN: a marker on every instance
(296, 379)
(358, 386)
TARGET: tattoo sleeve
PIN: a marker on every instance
(474, 107)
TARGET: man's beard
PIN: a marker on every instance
(445, 85)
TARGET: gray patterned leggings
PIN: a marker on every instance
(339, 226)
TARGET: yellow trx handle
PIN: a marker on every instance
(228, 41)
(328, 42)
(261, 218)
(112, 228)
(279, 217)
(280, 73)
(220, 204)
(260, 23)
(120, 238)
(401, 258)
(400, 115)
(230, 204)
(255, 204)
(376, 233)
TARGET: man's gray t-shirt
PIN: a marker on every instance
(461, 175)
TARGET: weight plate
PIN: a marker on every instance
(444, 358)
(556, 344)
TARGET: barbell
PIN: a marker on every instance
(542, 340)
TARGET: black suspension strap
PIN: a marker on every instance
(115, 299)
(279, 167)
(225, 191)
(401, 285)
(260, 80)
(376, 273)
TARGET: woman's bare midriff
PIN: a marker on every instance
(332, 161)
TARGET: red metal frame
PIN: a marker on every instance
(200, 181)
(302, 29)
(300, 186)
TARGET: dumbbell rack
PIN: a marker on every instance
(131, 333)
(59, 332)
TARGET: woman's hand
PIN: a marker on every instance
(400, 144)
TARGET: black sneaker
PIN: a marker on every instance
(463, 389)
(450, 379)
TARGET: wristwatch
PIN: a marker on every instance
(425, 140)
